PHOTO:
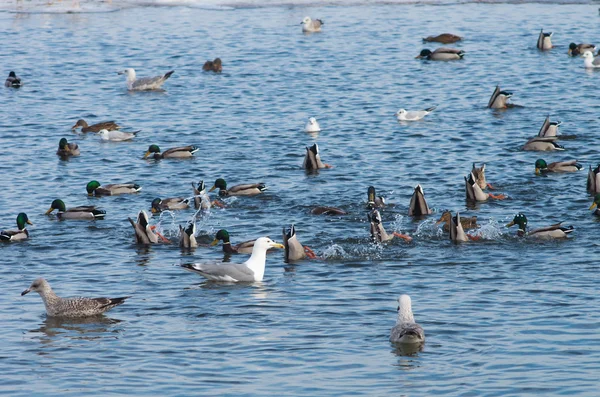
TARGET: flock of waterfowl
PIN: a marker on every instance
(406, 330)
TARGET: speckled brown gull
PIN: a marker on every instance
(71, 307)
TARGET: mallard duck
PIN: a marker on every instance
(499, 99)
(310, 26)
(169, 204)
(442, 54)
(86, 212)
(105, 125)
(201, 199)
(294, 251)
(466, 223)
(113, 189)
(117, 136)
(589, 62)
(312, 125)
(20, 233)
(537, 144)
(312, 159)
(66, 149)
(457, 233)
(213, 66)
(595, 205)
(173, 153)
(549, 128)
(544, 41)
(374, 201)
(144, 233)
(322, 210)
(560, 166)
(406, 329)
(444, 38)
(553, 231)
(413, 115)
(248, 189)
(144, 83)
(479, 174)
(418, 206)
(12, 81)
(593, 180)
(378, 233)
(474, 192)
(241, 248)
(578, 49)
(187, 236)
(251, 270)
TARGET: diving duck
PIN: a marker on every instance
(213, 66)
(595, 205)
(12, 81)
(66, 149)
(457, 233)
(499, 99)
(187, 236)
(442, 54)
(144, 83)
(474, 192)
(294, 251)
(544, 41)
(201, 199)
(553, 231)
(406, 329)
(549, 128)
(312, 159)
(20, 233)
(105, 125)
(173, 153)
(418, 206)
(323, 210)
(593, 180)
(113, 189)
(86, 212)
(248, 189)
(466, 223)
(144, 233)
(444, 38)
(378, 233)
(169, 204)
(537, 144)
(560, 166)
(310, 26)
(578, 49)
(241, 248)
(374, 201)
(479, 174)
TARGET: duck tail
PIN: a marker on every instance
(99, 214)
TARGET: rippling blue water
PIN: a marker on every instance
(503, 316)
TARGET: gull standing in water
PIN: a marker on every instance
(144, 83)
(406, 330)
(251, 270)
(413, 115)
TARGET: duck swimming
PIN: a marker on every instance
(86, 212)
(374, 201)
(245, 247)
(550, 232)
(579, 49)
(466, 222)
(378, 233)
(541, 167)
(441, 54)
(66, 149)
(105, 125)
(213, 66)
(12, 81)
(113, 189)
(444, 38)
(248, 189)
(20, 233)
(173, 153)
(169, 204)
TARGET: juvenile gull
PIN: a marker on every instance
(71, 307)
(251, 270)
(413, 115)
(144, 83)
(12, 81)
(312, 125)
(308, 25)
(406, 330)
(117, 136)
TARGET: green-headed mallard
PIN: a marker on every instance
(560, 166)
(201, 199)
(466, 222)
(549, 128)
(537, 144)
(312, 159)
(474, 192)
(94, 188)
(187, 236)
(20, 233)
(172, 203)
(105, 125)
(378, 233)
(213, 66)
(249, 189)
(323, 210)
(499, 99)
(374, 201)
(144, 233)
(593, 180)
(444, 38)
(578, 49)
(174, 153)
(241, 248)
(12, 81)
(553, 231)
(86, 212)
(294, 251)
(544, 41)
(441, 54)
(66, 149)
(418, 206)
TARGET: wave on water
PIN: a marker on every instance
(99, 6)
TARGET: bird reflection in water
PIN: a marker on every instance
(407, 349)
(85, 328)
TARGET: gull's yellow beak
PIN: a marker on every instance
(277, 245)
(212, 188)
(594, 205)
(215, 242)
(49, 211)
(510, 224)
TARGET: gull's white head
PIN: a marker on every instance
(306, 21)
(264, 243)
(39, 285)
(400, 112)
(103, 134)
(130, 72)
(312, 120)
(588, 55)
(405, 313)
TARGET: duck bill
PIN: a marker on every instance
(49, 211)
(146, 155)
(74, 127)
(29, 222)
(212, 188)
(594, 205)
(418, 57)
(538, 171)
(510, 224)
(214, 242)
(25, 292)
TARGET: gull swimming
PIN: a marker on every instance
(308, 25)
(144, 83)
(251, 270)
(589, 61)
(116, 136)
(413, 115)
(71, 307)
(312, 125)
(406, 330)
(12, 81)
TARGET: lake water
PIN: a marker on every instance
(503, 316)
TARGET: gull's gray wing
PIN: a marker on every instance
(222, 271)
